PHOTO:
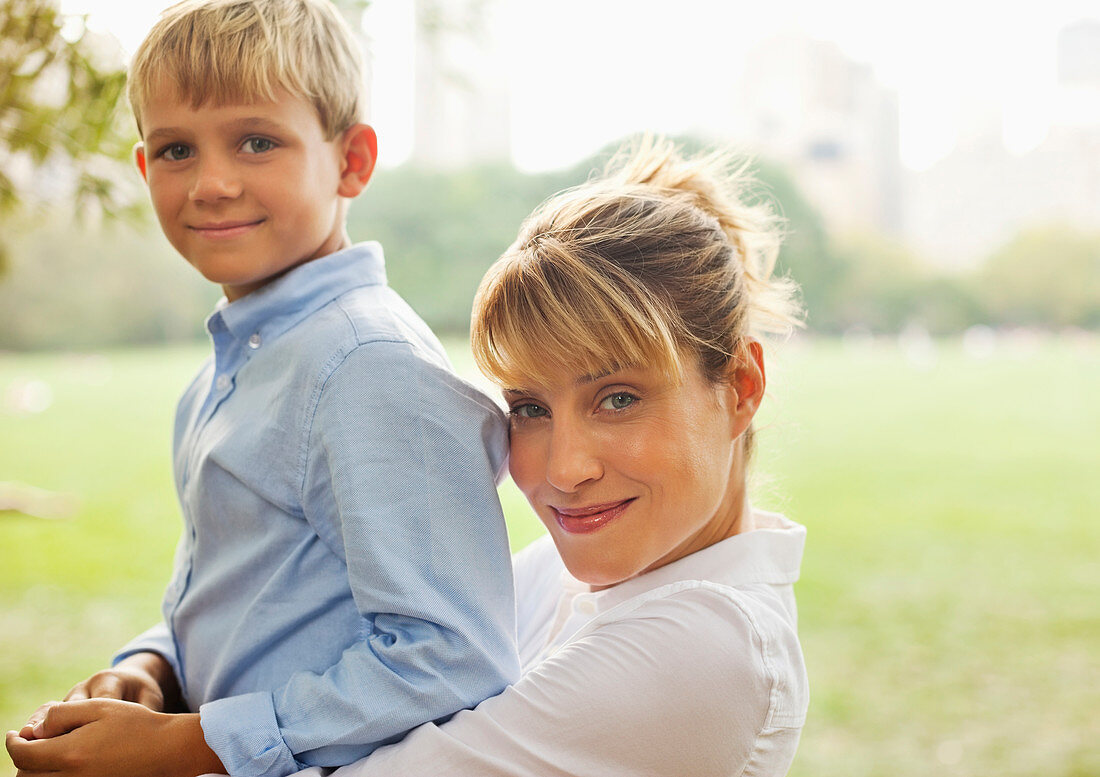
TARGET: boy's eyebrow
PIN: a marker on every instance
(255, 123)
(163, 132)
(248, 123)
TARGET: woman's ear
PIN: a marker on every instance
(359, 150)
(746, 385)
(139, 159)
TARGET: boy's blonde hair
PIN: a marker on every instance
(660, 260)
(226, 51)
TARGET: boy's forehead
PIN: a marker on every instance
(165, 91)
(171, 105)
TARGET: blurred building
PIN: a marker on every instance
(827, 117)
(461, 109)
(1079, 54)
(981, 195)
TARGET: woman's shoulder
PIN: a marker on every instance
(723, 668)
(735, 647)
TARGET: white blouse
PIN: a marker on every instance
(691, 669)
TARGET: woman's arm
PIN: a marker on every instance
(691, 683)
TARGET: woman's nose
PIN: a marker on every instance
(573, 458)
(215, 179)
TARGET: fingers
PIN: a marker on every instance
(121, 683)
(107, 684)
(27, 732)
(63, 717)
(153, 698)
(32, 757)
(78, 693)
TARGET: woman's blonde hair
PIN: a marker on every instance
(226, 51)
(661, 258)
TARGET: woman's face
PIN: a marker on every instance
(629, 470)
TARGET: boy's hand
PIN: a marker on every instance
(144, 678)
(123, 682)
(111, 738)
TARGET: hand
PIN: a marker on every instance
(112, 738)
(139, 678)
(145, 678)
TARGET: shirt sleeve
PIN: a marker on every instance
(661, 692)
(400, 480)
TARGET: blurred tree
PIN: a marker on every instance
(806, 254)
(61, 128)
(947, 304)
(442, 230)
(879, 284)
(125, 285)
(1044, 276)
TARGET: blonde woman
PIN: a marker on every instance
(657, 619)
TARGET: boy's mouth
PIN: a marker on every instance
(224, 230)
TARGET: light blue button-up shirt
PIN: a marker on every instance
(343, 573)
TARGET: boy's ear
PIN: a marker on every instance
(745, 389)
(359, 149)
(139, 158)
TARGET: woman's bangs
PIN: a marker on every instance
(538, 323)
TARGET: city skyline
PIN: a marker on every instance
(780, 91)
(592, 71)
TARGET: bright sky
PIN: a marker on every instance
(584, 72)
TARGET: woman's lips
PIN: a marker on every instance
(583, 520)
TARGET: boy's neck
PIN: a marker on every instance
(237, 291)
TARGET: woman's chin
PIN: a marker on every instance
(598, 572)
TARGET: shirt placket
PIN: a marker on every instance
(226, 363)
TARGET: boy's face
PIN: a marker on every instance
(246, 192)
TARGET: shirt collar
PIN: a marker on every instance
(271, 310)
(771, 554)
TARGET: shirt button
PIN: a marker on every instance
(586, 607)
(255, 341)
(222, 382)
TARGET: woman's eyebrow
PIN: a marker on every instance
(586, 379)
(583, 380)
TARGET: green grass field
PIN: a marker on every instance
(950, 598)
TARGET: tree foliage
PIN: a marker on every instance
(1044, 276)
(119, 283)
(61, 126)
(84, 286)
(442, 229)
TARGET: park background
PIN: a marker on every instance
(934, 426)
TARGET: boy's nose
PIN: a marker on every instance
(215, 180)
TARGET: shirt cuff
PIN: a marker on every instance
(244, 733)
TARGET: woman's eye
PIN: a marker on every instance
(258, 145)
(528, 411)
(618, 401)
(175, 152)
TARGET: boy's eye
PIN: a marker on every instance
(618, 401)
(258, 145)
(176, 152)
(528, 410)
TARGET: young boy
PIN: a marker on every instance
(343, 573)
